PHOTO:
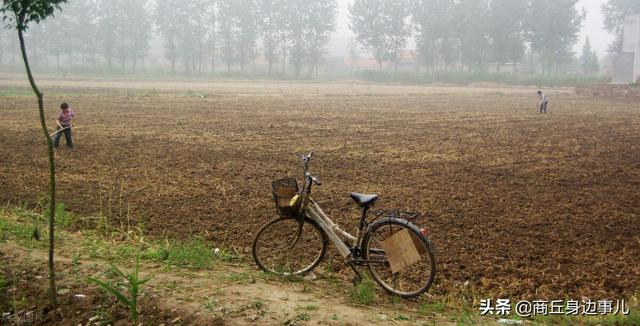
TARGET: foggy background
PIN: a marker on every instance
(593, 28)
(248, 38)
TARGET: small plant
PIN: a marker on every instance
(303, 316)
(63, 219)
(75, 260)
(364, 292)
(210, 303)
(401, 317)
(132, 285)
(257, 303)
(172, 285)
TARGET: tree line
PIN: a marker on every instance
(468, 34)
(196, 35)
(291, 36)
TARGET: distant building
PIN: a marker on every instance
(626, 66)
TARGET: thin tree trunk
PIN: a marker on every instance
(284, 56)
(135, 63)
(52, 171)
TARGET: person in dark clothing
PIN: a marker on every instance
(64, 125)
(543, 102)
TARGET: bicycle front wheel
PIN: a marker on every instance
(280, 248)
(411, 281)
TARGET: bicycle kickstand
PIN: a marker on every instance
(358, 276)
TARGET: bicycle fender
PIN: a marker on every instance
(406, 223)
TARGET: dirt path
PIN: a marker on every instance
(226, 294)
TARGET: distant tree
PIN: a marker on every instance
(321, 19)
(109, 29)
(398, 29)
(434, 21)
(40, 41)
(246, 19)
(191, 18)
(284, 24)
(368, 24)
(589, 59)
(74, 32)
(354, 50)
(212, 13)
(140, 28)
(505, 31)
(227, 31)
(614, 12)
(381, 27)
(168, 23)
(297, 16)
(19, 14)
(552, 28)
(472, 32)
(3, 44)
(271, 28)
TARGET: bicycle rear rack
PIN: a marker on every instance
(409, 216)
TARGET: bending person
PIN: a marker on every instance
(64, 125)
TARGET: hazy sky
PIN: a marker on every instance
(592, 28)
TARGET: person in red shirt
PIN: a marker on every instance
(64, 125)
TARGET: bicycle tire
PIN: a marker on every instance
(382, 273)
(273, 252)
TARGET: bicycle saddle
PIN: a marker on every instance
(363, 200)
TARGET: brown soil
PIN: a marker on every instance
(629, 91)
(520, 205)
(223, 295)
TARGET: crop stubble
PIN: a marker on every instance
(520, 205)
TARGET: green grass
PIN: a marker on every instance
(614, 320)
(435, 307)
(364, 293)
(281, 278)
(23, 233)
(14, 92)
(194, 254)
(465, 319)
(240, 278)
(3, 283)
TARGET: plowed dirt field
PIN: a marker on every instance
(519, 204)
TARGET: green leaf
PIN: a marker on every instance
(110, 289)
(118, 271)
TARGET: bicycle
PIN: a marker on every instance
(397, 253)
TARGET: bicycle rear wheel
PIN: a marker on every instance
(279, 248)
(410, 282)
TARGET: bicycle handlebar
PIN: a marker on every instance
(305, 160)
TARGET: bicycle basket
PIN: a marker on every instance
(283, 191)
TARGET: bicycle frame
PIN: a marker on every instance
(312, 210)
(332, 229)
